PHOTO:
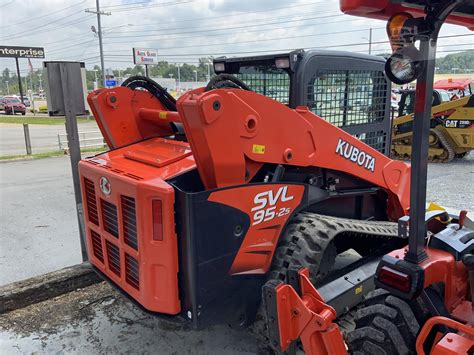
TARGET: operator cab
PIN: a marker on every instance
(407, 100)
(348, 90)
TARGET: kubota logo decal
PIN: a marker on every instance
(105, 185)
(266, 205)
(355, 155)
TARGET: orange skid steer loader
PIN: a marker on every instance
(251, 205)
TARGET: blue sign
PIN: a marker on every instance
(111, 83)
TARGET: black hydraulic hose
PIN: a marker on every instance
(226, 81)
(154, 88)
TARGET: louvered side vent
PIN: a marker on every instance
(91, 202)
(132, 271)
(109, 218)
(97, 246)
(129, 219)
(113, 258)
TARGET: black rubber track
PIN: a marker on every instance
(386, 325)
(307, 242)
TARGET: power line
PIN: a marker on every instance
(239, 14)
(29, 20)
(237, 27)
(75, 21)
(292, 37)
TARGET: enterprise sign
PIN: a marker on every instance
(21, 52)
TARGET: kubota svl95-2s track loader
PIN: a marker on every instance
(201, 202)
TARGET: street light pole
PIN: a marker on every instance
(179, 78)
(195, 75)
(8, 88)
(99, 33)
(208, 71)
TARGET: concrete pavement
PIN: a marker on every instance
(38, 224)
(98, 320)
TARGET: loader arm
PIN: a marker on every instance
(234, 132)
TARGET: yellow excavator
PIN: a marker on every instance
(451, 129)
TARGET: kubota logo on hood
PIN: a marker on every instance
(105, 185)
(355, 155)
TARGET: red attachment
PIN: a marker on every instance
(234, 132)
(453, 84)
(384, 9)
(309, 318)
(395, 279)
(441, 267)
(451, 343)
(462, 218)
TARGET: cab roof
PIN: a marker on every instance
(453, 84)
(384, 9)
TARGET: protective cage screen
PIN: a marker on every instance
(269, 81)
(348, 98)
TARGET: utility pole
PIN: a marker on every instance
(8, 88)
(99, 33)
(40, 82)
(370, 41)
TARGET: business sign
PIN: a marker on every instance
(21, 52)
(145, 56)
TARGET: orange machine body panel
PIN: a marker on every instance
(384, 9)
(118, 190)
(234, 132)
(269, 208)
(117, 112)
(441, 266)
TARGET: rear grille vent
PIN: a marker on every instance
(129, 219)
(132, 271)
(109, 218)
(113, 258)
(97, 246)
(91, 202)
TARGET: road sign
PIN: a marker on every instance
(111, 83)
(145, 56)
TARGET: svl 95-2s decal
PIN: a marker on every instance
(265, 205)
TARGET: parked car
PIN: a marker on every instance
(12, 105)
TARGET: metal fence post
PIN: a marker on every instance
(26, 131)
(74, 148)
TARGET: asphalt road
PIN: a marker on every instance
(38, 233)
(44, 138)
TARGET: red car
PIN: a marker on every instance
(12, 105)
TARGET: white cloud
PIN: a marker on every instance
(188, 30)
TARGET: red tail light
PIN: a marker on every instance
(394, 278)
(157, 220)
